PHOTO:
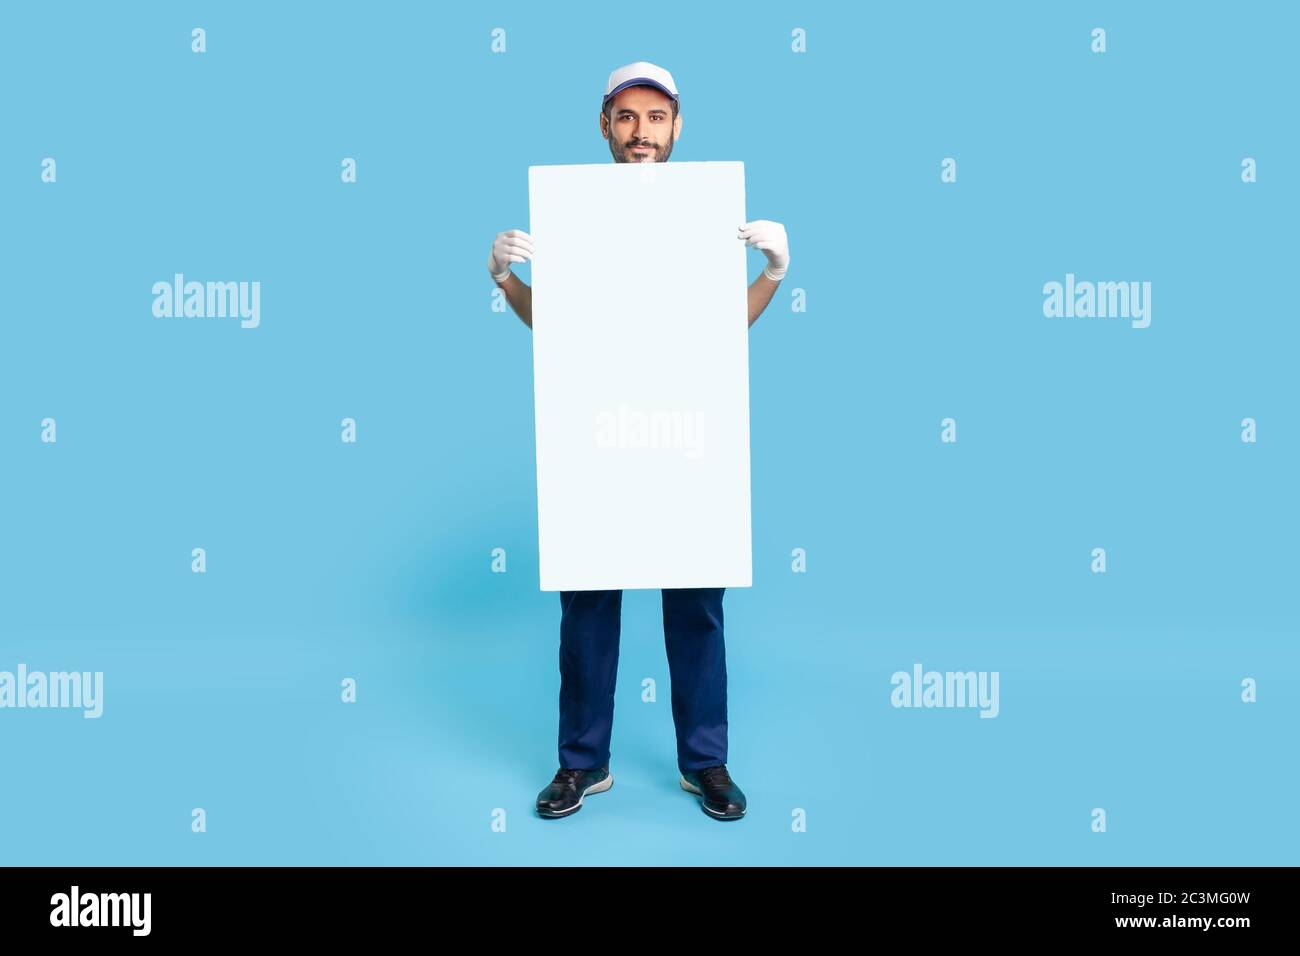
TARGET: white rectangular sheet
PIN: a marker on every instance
(641, 375)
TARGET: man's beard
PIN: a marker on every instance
(624, 154)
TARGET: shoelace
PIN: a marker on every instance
(716, 775)
(567, 776)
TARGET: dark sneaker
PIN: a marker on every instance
(719, 795)
(564, 794)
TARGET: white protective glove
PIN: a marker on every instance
(513, 245)
(769, 236)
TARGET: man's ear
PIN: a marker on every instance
(677, 127)
(604, 125)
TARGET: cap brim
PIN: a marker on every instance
(639, 81)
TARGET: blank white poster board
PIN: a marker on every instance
(641, 375)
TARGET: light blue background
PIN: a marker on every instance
(328, 560)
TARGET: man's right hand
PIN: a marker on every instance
(513, 245)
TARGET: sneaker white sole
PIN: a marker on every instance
(691, 788)
(594, 788)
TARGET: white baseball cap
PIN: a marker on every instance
(639, 73)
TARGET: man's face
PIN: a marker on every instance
(640, 127)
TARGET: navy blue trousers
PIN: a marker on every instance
(697, 667)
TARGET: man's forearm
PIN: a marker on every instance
(520, 298)
(760, 294)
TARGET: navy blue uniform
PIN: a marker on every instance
(697, 666)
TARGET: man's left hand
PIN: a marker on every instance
(769, 236)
